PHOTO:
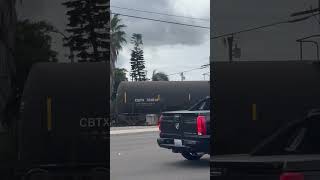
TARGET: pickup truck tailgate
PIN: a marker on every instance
(181, 124)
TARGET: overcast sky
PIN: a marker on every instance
(172, 48)
(51, 11)
(273, 43)
(167, 47)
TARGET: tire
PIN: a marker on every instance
(191, 156)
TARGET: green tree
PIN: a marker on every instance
(32, 45)
(159, 76)
(120, 75)
(7, 68)
(117, 37)
(88, 28)
(137, 60)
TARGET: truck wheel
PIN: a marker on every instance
(191, 156)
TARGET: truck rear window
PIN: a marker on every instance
(298, 138)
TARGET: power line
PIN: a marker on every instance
(202, 67)
(158, 20)
(247, 30)
(305, 12)
(317, 20)
(151, 12)
(264, 26)
(312, 11)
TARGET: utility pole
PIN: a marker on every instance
(182, 76)
(146, 73)
(230, 45)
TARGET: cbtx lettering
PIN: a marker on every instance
(93, 122)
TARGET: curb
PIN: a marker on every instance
(132, 131)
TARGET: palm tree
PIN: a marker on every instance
(117, 37)
(117, 40)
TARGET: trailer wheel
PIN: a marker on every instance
(191, 155)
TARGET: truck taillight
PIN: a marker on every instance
(159, 122)
(201, 125)
(292, 176)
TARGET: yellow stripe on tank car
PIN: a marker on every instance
(49, 113)
(254, 112)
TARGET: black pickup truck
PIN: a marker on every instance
(187, 131)
(292, 153)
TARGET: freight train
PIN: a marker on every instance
(63, 124)
(136, 100)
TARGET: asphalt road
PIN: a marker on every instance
(137, 156)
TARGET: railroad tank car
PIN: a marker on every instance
(64, 115)
(136, 99)
(252, 99)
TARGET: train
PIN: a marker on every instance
(136, 100)
(63, 123)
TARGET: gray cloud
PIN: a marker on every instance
(156, 33)
(50, 11)
(30, 9)
(277, 43)
(168, 47)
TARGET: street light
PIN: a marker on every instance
(204, 75)
(317, 46)
(302, 40)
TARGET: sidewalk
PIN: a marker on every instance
(132, 129)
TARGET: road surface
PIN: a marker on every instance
(136, 156)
